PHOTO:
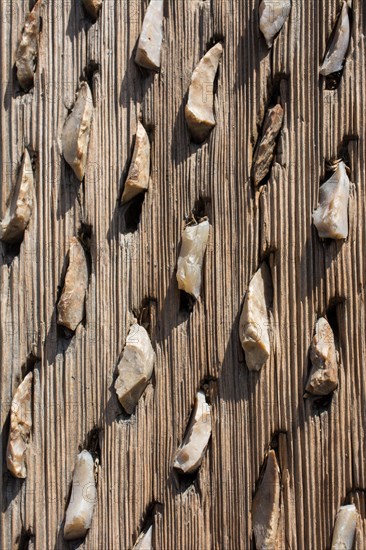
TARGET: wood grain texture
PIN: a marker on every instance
(321, 452)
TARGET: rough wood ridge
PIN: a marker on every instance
(317, 444)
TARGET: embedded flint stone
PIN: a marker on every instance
(265, 150)
(266, 506)
(139, 172)
(135, 368)
(199, 111)
(272, 17)
(71, 307)
(190, 261)
(20, 428)
(144, 542)
(345, 528)
(19, 211)
(336, 52)
(323, 378)
(331, 216)
(190, 454)
(93, 7)
(80, 510)
(26, 55)
(76, 131)
(254, 320)
(149, 45)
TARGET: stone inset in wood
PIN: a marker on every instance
(323, 378)
(26, 55)
(199, 110)
(190, 454)
(135, 368)
(266, 506)
(254, 322)
(20, 428)
(345, 528)
(331, 216)
(149, 45)
(144, 542)
(336, 51)
(71, 307)
(76, 132)
(139, 172)
(265, 150)
(272, 17)
(80, 510)
(190, 261)
(93, 7)
(19, 211)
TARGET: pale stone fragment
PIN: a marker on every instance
(135, 368)
(79, 512)
(139, 172)
(19, 211)
(264, 153)
(331, 216)
(323, 378)
(93, 7)
(190, 261)
(254, 320)
(272, 17)
(190, 454)
(149, 45)
(345, 528)
(199, 111)
(144, 542)
(26, 55)
(266, 506)
(71, 307)
(76, 131)
(20, 428)
(336, 52)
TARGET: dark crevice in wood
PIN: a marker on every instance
(10, 252)
(215, 39)
(89, 71)
(333, 316)
(29, 364)
(25, 537)
(202, 209)
(207, 385)
(132, 213)
(92, 443)
(155, 507)
(146, 315)
(276, 96)
(186, 303)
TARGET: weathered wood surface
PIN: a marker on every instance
(321, 451)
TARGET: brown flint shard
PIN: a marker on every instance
(71, 307)
(26, 55)
(264, 153)
(190, 454)
(199, 110)
(20, 427)
(76, 132)
(149, 45)
(135, 368)
(19, 212)
(254, 326)
(266, 506)
(323, 378)
(139, 172)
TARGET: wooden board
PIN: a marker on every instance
(321, 451)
